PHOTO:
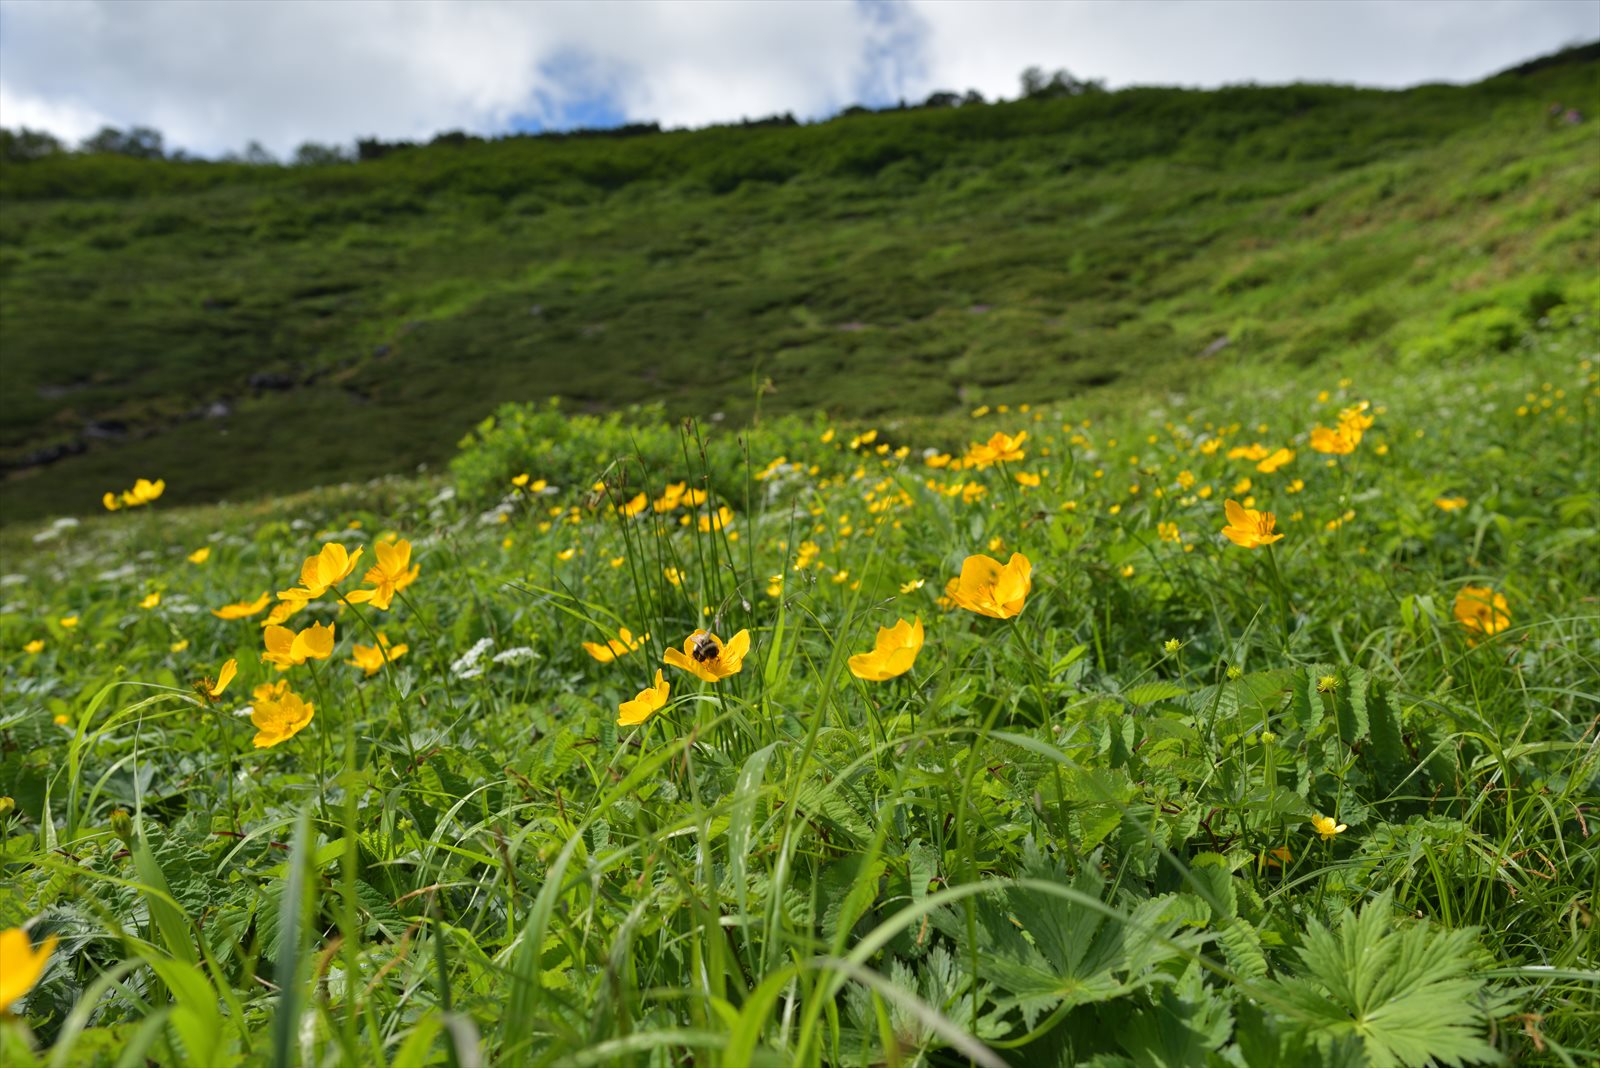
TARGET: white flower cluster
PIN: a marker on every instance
(466, 665)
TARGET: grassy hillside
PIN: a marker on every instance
(263, 329)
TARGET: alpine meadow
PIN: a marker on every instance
(1104, 578)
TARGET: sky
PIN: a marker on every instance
(214, 75)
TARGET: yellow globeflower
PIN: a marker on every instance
(1336, 442)
(289, 602)
(1482, 611)
(285, 648)
(1271, 463)
(279, 714)
(331, 566)
(144, 491)
(893, 653)
(371, 658)
(1327, 828)
(707, 656)
(1249, 528)
(989, 588)
(651, 700)
(391, 574)
(623, 644)
(21, 964)
(208, 689)
(1000, 448)
(200, 555)
(243, 609)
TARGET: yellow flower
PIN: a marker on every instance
(21, 964)
(278, 715)
(623, 644)
(1334, 442)
(289, 603)
(708, 523)
(1168, 532)
(1327, 683)
(1276, 460)
(673, 576)
(635, 506)
(892, 654)
(211, 690)
(328, 568)
(143, 492)
(150, 601)
(1172, 645)
(827, 435)
(912, 586)
(1248, 452)
(671, 497)
(1275, 858)
(520, 480)
(708, 657)
(180, 645)
(243, 609)
(35, 646)
(1449, 504)
(200, 555)
(371, 658)
(651, 700)
(1325, 826)
(1249, 528)
(68, 622)
(1482, 611)
(1028, 478)
(990, 589)
(61, 719)
(285, 648)
(1000, 448)
(389, 575)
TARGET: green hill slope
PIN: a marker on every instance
(241, 330)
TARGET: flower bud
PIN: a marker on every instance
(122, 825)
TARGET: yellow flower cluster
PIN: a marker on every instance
(143, 492)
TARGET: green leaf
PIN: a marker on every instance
(1151, 692)
(1042, 952)
(1406, 995)
(1388, 748)
(1350, 703)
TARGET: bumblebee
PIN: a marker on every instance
(705, 648)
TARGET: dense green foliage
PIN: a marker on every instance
(1081, 835)
(268, 329)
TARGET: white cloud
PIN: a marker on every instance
(1181, 42)
(67, 119)
(212, 76)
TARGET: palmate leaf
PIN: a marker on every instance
(1406, 996)
(1040, 950)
